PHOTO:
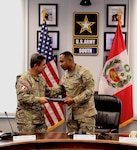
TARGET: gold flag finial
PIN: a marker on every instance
(44, 14)
(119, 17)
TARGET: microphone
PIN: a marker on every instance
(9, 122)
(8, 135)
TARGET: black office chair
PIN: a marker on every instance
(109, 111)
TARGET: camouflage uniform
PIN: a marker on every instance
(79, 84)
(30, 113)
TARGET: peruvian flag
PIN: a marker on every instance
(116, 77)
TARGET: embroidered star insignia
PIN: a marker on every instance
(85, 25)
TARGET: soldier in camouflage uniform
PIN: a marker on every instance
(31, 91)
(78, 83)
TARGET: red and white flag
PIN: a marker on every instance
(54, 113)
(116, 77)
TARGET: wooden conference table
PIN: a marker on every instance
(61, 141)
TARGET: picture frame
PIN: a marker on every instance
(54, 37)
(52, 10)
(112, 14)
(108, 39)
(81, 18)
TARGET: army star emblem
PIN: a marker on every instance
(85, 25)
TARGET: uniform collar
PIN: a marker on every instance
(35, 77)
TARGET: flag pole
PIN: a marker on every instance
(53, 111)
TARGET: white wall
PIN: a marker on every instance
(13, 53)
(12, 49)
(133, 49)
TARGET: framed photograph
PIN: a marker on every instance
(52, 11)
(108, 39)
(112, 15)
(54, 38)
(85, 24)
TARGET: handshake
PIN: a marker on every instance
(66, 100)
(44, 100)
(55, 99)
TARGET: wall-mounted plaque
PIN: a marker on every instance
(86, 41)
(85, 50)
(85, 23)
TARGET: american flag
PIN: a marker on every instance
(54, 114)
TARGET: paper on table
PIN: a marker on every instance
(84, 137)
(24, 138)
(128, 139)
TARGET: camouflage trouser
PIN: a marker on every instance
(32, 128)
(85, 125)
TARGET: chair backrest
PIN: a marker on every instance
(109, 111)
